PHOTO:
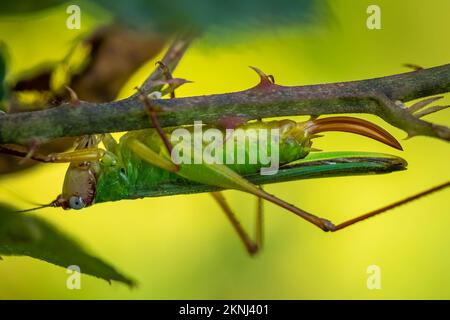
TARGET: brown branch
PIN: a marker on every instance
(170, 60)
(380, 96)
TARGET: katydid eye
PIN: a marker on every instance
(76, 203)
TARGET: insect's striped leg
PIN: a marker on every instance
(251, 246)
(79, 155)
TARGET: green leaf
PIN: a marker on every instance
(25, 235)
(163, 15)
(168, 16)
(26, 6)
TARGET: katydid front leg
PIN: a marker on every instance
(79, 155)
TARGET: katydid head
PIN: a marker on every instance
(78, 189)
(348, 124)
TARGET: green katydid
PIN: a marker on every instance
(141, 164)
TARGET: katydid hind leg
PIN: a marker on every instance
(224, 177)
(251, 246)
(259, 223)
(232, 180)
(147, 154)
(391, 206)
(327, 225)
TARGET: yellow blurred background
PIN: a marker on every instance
(184, 248)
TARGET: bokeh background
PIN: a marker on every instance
(182, 247)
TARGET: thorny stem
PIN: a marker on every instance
(377, 96)
(170, 61)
